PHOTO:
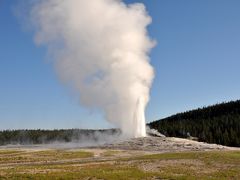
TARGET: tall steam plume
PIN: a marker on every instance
(100, 48)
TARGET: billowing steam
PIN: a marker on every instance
(100, 48)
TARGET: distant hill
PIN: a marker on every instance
(219, 124)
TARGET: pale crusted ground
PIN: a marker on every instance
(165, 144)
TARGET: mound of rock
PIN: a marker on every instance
(164, 144)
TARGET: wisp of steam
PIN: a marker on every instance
(101, 49)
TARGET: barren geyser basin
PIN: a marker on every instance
(101, 49)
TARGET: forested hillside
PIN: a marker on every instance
(214, 124)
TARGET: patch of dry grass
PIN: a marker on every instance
(63, 164)
(110, 153)
(41, 156)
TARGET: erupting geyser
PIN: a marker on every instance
(100, 48)
(139, 119)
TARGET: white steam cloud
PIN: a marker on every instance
(100, 48)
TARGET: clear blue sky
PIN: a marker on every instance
(197, 62)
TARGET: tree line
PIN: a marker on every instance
(50, 136)
(218, 124)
